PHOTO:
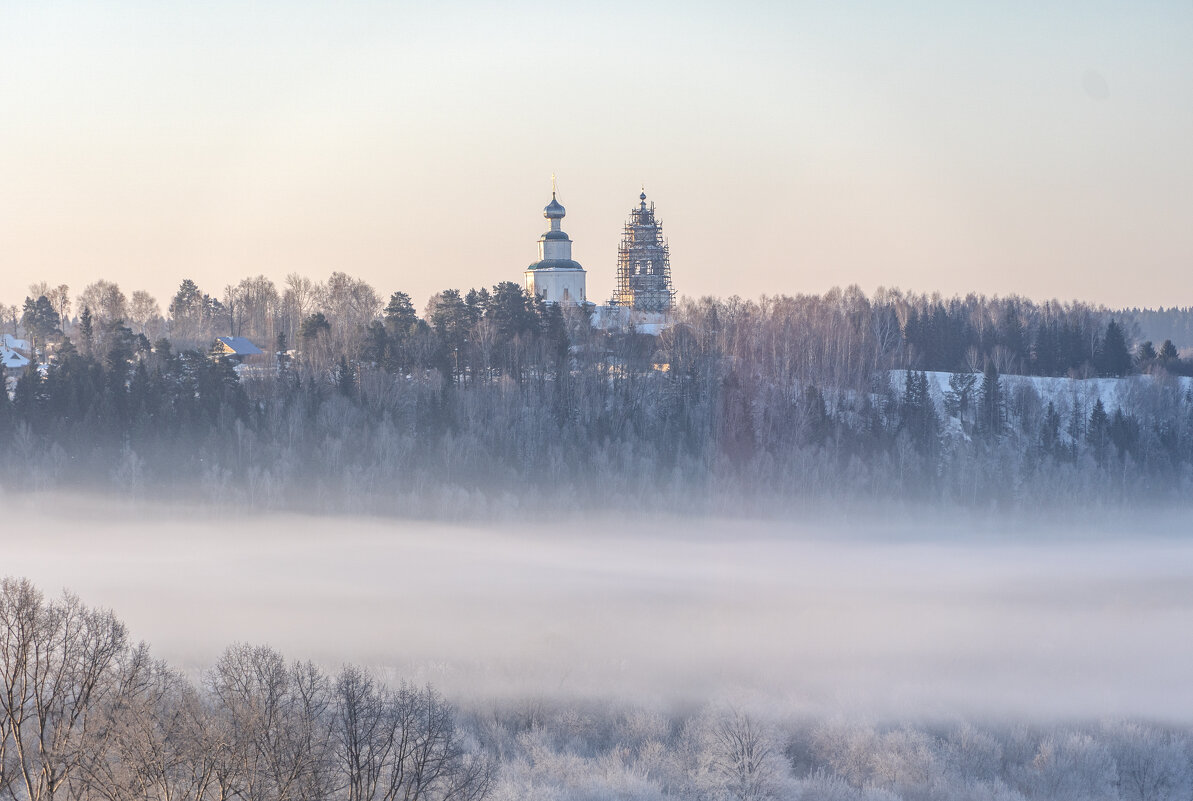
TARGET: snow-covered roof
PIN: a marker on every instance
(11, 359)
(239, 346)
(12, 343)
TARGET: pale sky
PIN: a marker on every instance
(1044, 149)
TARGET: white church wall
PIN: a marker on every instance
(557, 286)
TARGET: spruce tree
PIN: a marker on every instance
(86, 330)
(1050, 431)
(5, 403)
(345, 378)
(1012, 335)
(960, 395)
(1098, 433)
(1113, 357)
(1145, 354)
(816, 419)
(919, 412)
(990, 409)
(376, 345)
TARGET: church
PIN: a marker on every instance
(643, 295)
(556, 277)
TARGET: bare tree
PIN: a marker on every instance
(350, 305)
(298, 301)
(58, 661)
(402, 744)
(59, 298)
(274, 719)
(160, 744)
(254, 306)
(106, 301)
(1151, 764)
(742, 755)
(364, 736)
(145, 316)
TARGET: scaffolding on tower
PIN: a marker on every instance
(643, 264)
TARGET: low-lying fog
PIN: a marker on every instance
(880, 620)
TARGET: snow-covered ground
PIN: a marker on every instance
(1115, 393)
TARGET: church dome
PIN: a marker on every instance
(554, 210)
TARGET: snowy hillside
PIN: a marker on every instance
(1115, 393)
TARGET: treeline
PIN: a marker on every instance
(1025, 338)
(459, 331)
(1158, 325)
(86, 714)
(720, 753)
(492, 401)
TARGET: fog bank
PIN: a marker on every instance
(871, 619)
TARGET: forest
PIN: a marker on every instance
(86, 713)
(465, 408)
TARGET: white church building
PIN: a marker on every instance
(556, 277)
(644, 296)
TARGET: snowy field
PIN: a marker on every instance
(923, 619)
(1115, 393)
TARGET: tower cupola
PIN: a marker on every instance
(554, 210)
(556, 277)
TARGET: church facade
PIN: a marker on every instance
(556, 277)
(643, 296)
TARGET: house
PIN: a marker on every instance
(11, 359)
(235, 348)
(12, 343)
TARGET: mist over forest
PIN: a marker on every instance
(814, 547)
(304, 657)
(491, 402)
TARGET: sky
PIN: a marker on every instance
(1042, 149)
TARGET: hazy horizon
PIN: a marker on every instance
(789, 148)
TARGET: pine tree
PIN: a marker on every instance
(400, 316)
(312, 326)
(40, 319)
